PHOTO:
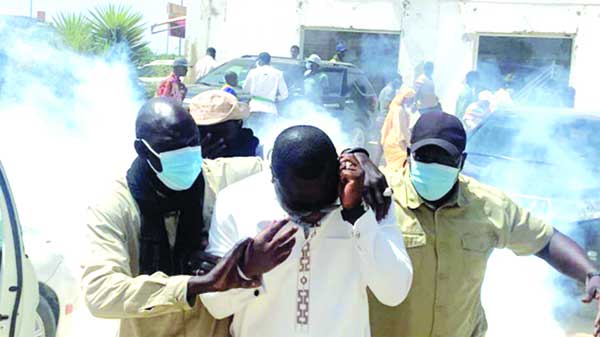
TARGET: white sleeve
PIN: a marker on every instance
(282, 89)
(222, 237)
(248, 82)
(384, 261)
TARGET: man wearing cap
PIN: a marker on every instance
(219, 116)
(451, 225)
(314, 81)
(172, 86)
(340, 53)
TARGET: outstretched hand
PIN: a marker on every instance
(269, 248)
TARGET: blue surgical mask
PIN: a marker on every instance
(431, 180)
(180, 168)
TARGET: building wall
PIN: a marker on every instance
(443, 31)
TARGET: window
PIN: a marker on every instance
(534, 69)
(376, 53)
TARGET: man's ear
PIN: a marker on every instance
(140, 149)
(463, 160)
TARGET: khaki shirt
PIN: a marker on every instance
(148, 305)
(449, 248)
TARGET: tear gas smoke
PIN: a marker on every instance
(552, 176)
(305, 113)
(66, 129)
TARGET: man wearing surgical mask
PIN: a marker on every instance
(340, 245)
(145, 262)
(451, 225)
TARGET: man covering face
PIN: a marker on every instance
(341, 250)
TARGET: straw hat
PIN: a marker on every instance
(217, 106)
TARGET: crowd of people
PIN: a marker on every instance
(202, 237)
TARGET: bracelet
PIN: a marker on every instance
(356, 150)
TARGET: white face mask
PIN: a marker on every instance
(180, 168)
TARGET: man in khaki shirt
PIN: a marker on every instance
(145, 235)
(451, 225)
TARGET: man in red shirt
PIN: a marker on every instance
(172, 86)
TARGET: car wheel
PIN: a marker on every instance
(45, 324)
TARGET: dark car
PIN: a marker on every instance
(548, 161)
(348, 96)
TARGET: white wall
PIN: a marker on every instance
(443, 31)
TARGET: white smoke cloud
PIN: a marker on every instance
(66, 130)
(521, 295)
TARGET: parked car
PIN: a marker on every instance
(548, 161)
(37, 291)
(349, 96)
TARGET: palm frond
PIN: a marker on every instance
(75, 31)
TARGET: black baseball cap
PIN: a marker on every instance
(440, 129)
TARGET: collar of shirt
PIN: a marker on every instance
(174, 78)
(409, 198)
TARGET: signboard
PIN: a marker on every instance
(41, 16)
(176, 27)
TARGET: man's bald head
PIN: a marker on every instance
(165, 125)
(304, 151)
(305, 170)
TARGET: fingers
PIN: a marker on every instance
(274, 228)
(349, 163)
(285, 235)
(286, 247)
(284, 254)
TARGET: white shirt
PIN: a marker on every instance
(205, 65)
(339, 262)
(266, 85)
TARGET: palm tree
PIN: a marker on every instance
(76, 31)
(118, 25)
(105, 29)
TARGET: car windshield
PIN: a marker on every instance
(515, 137)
